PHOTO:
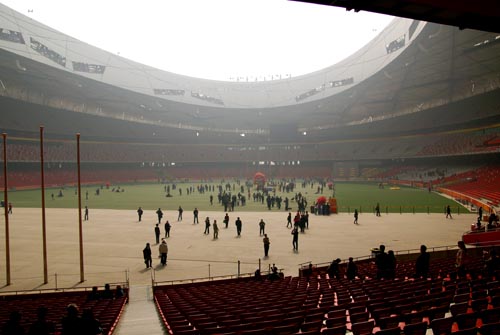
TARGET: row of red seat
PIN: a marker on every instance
(319, 305)
(481, 184)
(56, 177)
(107, 311)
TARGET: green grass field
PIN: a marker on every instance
(362, 196)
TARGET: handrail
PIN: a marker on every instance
(211, 278)
(63, 289)
(124, 284)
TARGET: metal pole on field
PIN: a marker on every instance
(6, 210)
(80, 228)
(44, 224)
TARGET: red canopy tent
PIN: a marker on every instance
(259, 178)
(321, 200)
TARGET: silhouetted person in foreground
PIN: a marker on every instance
(352, 269)
(334, 269)
(41, 326)
(72, 323)
(381, 262)
(422, 263)
(13, 325)
(90, 325)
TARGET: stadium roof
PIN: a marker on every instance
(431, 66)
(480, 14)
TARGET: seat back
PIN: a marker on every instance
(419, 328)
(442, 326)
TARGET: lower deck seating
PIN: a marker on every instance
(107, 311)
(320, 305)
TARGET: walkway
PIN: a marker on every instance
(140, 316)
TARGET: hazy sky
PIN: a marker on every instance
(213, 39)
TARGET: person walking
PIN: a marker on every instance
(295, 240)
(356, 216)
(266, 242)
(160, 215)
(238, 224)
(448, 212)
(86, 214)
(262, 226)
(167, 229)
(157, 233)
(289, 220)
(226, 220)
(180, 210)
(146, 252)
(216, 230)
(163, 249)
(207, 226)
(139, 213)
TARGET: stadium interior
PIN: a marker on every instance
(426, 114)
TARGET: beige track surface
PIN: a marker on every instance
(114, 239)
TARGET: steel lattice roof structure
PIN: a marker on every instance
(411, 67)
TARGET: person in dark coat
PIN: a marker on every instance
(167, 229)
(195, 215)
(390, 269)
(160, 214)
(448, 212)
(262, 227)
(422, 263)
(334, 269)
(72, 323)
(295, 240)
(157, 233)
(267, 243)
(207, 226)
(179, 217)
(139, 213)
(13, 325)
(352, 269)
(381, 262)
(238, 224)
(146, 252)
(90, 325)
(41, 326)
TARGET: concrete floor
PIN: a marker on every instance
(114, 239)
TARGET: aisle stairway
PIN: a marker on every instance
(140, 316)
